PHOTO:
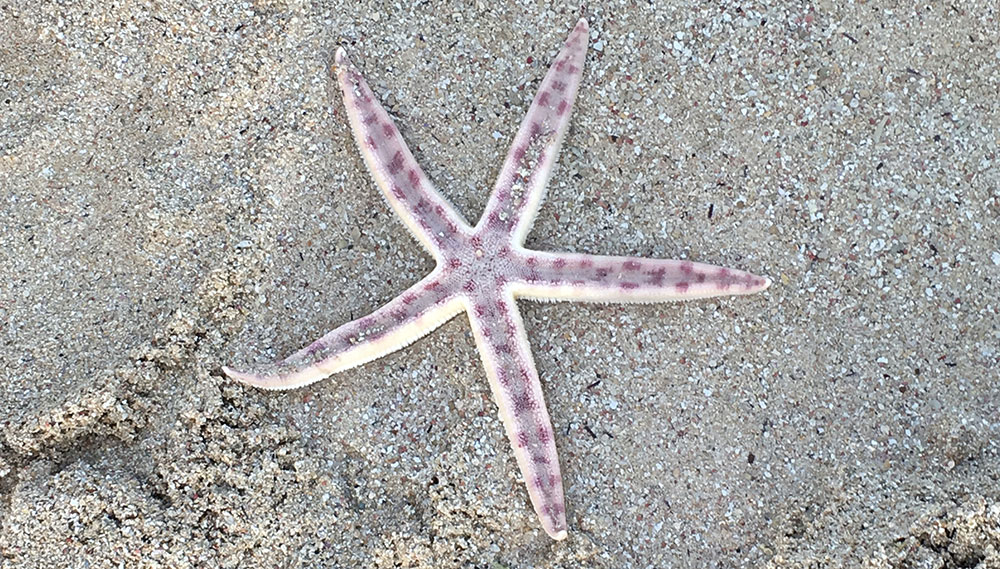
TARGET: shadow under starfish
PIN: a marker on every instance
(482, 269)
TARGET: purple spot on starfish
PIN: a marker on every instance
(396, 164)
(522, 439)
(519, 153)
(524, 403)
(544, 435)
(656, 276)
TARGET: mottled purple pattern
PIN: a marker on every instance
(341, 342)
(501, 341)
(403, 183)
(521, 183)
(482, 270)
(631, 279)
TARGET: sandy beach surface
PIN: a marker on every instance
(179, 190)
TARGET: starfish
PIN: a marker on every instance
(481, 270)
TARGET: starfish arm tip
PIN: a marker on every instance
(340, 58)
(252, 379)
(582, 24)
(558, 535)
(239, 376)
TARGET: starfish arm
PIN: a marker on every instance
(411, 315)
(427, 214)
(503, 346)
(521, 184)
(570, 276)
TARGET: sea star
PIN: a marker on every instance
(482, 269)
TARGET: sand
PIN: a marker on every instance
(179, 191)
